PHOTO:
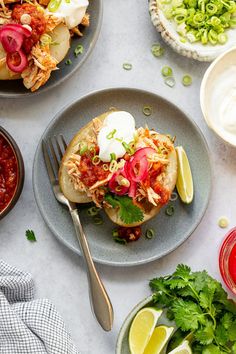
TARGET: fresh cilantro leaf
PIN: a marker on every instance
(221, 335)
(183, 271)
(211, 349)
(232, 332)
(188, 314)
(128, 212)
(205, 335)
(176, 283)
(227, 320)
(234, 348)
(30, 235)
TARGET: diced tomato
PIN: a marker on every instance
(91, 173)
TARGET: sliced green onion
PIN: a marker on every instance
(105, 167)
(79, 49)
(113, 156)
(83, 149)
(68, 62)
(174, 196)
(170, 210)
(127, 66)
(187, 80)
(223, 222)
(170, 81)
(149, 234)
(92, 150)
(157, 50)
(111, 134)
(222, 38)
(166, 71)
(147, 110)
(115, 233)
(97, 220)
(96, 160)
(120, 240)
(93, 211)
(54, 5)
(113, 166)
(129, 149)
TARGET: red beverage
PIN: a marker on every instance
(227, 260)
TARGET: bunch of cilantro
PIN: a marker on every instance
(200, 308)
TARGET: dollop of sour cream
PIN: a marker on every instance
(72, 11)
(118, 127)
(223, 104)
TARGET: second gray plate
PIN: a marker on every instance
(170, 231)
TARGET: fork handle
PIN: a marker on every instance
(99, 299)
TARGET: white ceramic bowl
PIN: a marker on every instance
(196, 51)
(207, 99)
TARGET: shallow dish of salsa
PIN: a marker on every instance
(11, 172)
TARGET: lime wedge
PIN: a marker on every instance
(183, 348)
(184, 183)
(142, 329)
(158, 340)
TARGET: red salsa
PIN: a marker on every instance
(8, 173)
(38, 23)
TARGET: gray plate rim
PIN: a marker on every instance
(103, 91)
(62, 79)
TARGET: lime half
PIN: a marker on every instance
(183, 348)
(184, 183)
(142, 329)
(158, 340)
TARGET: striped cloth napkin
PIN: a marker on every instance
(28, 326)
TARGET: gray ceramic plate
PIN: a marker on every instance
(15, 88)
(122, 345)
(170, 231)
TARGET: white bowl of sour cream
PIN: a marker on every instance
(218, 96)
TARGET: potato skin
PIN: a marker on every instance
(78, 197)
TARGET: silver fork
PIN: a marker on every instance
(102, 308)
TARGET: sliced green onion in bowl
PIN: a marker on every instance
(127, 66)
(187, 80)
(170, 81)
(147, 110)
(166, 71)
(96, 160)
(170, 210)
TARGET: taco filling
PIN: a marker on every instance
(120, 167)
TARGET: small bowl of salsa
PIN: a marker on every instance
(11, 172)
(227, 260)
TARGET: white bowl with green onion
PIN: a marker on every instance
(197, 29)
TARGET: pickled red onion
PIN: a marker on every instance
(140, 172)
(21, 61)
(17, 28)
(11, 40)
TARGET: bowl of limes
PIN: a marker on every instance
(147, 330)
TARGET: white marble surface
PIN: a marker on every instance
(127, 35)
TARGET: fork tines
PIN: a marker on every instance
(53, 150)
